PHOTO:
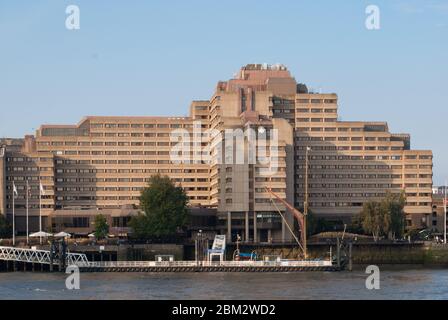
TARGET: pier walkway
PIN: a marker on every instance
(205, 266)
(40, 256)
(43, 257)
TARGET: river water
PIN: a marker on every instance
(412, 283)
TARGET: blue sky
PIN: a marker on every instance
(154, 57)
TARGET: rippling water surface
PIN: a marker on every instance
(395, 284)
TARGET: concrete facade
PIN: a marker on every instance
(102, 163)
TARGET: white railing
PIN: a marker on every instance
(146, 264)
(40, 256)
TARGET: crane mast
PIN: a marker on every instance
(300, 217)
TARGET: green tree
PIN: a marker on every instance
(385, 217)
(395, 217)
(101, 227)
(164, 209)
(5, 227)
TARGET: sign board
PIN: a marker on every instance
(219, 243)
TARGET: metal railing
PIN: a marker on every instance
(40, 256)
(147, 264)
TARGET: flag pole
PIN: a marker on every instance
(40, 211)
(27, 211)
(13, 214)
(444, 215)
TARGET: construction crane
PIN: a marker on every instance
(300, 217)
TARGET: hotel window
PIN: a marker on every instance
(110, 125)
(303, 110)
(136, 125)
(149, 135)
(123, 125)
(97, 135)
(316, 100)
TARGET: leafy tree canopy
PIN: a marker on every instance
(385, 217)
(164, 209)
(101, 227)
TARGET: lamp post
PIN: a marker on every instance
(199, 248)
(305, 204)
(444, 215)
(238, 239)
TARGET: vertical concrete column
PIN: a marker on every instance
(229, 226)
(247, 226)
(255, 227)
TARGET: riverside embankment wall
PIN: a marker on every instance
(362, 253)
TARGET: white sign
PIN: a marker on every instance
(219, 243)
